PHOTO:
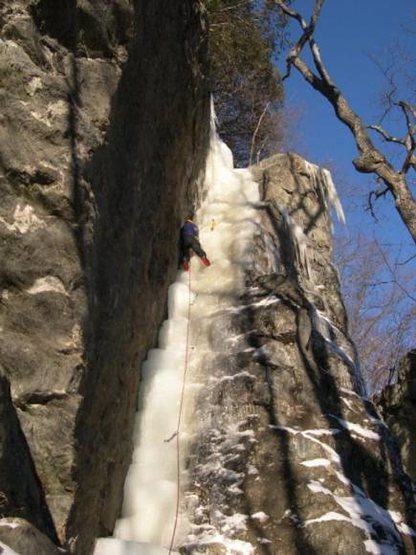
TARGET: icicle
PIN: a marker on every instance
(213, 119)
(322, 180)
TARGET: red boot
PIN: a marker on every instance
(205, 261)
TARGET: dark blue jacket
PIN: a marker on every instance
(190, 229)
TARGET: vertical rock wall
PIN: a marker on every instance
(397, 404)
(104, 130)
(289, 456)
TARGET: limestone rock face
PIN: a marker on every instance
(25, 539)
(397, 404)
(20, 493)
(289, 456)
(104, 129)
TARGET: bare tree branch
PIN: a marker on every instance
(409, 112)
(381, 318)
(253, 138)
(393, 273)
(406, 261)
(370, 159)
(389, 74)
(386, 135)
(376, 195)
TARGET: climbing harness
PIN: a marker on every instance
(176, 434)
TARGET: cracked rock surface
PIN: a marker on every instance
(103, 137)
(288, 455)
(397, 404)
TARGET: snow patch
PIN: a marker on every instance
(252, 470)
(331, 515)
(237, 376)
(309, 431)
(367, 515)
(260, 516)
(312, 463)
(357, 428)
(231, 546)
(263, 541)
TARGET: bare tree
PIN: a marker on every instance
(370, 159)
(380, 298)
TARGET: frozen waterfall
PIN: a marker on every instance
(227, 221)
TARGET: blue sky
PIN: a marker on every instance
(349, 31)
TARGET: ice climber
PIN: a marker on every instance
(190, 240)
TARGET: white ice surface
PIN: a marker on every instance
(113, 546)
(227, 221)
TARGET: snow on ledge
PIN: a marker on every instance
(357, 428)
(232, 546)
(312, 463)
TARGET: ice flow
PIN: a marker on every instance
(227, 220)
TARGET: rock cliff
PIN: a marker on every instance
(288, 455)
(397, 404)
(104, 135)
(104, 130)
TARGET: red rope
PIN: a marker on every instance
(178, 477)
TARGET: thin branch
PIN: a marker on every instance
(253, 138)
(399, 285)
(408, 109)
(391, 92)
(377, 283)
(370, 206)
(376, 195)
(385, 135)
(234, 6)
(410, 143)
(406, 261)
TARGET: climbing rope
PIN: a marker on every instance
(178, 477)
